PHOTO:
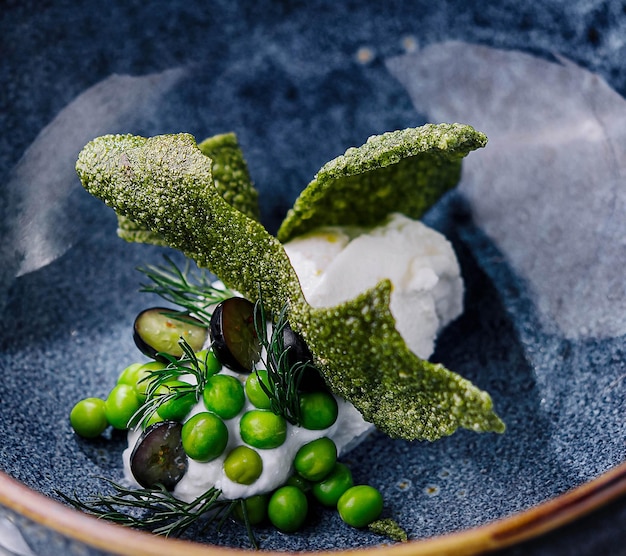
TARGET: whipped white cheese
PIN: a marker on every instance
(334, 265)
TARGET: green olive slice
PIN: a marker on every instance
(159, 330)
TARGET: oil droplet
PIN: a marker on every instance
(409, 44)
(404, 485)
(432, 490)
(444, 473)
(364, 55)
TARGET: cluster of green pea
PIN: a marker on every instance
(91, 416)
(205, 437)
(318, 473)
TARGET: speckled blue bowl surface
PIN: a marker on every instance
(299, 82)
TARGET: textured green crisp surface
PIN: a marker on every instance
(230, 177)
(400, 171)
(366, 361)
(230, 173)
(388, 528)
(165, 184)
(131, 231)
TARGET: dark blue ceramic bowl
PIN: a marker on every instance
(299, 82)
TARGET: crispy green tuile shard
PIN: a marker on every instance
(400, 171)
(165, 184)
(366, 361)
(230, 176)
(230, 173)
(131, 231)
(387, 527)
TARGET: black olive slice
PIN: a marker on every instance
(157, 331)
(159, 456)
(298, 352)
(233, 334)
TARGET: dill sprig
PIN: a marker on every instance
(194, 291)
(197, 296)
(159, 388)
(283, 378)
(157, 510)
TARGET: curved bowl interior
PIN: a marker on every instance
(298, 84)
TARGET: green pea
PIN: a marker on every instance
(130, 374)
(120, 406)
(299, 482)
(255, 508)
(209, 361)
(360, 505)
(287, 509)
(177, 408)
(204, 436)
(263, 429)
(143, 382)
(88, 417)
(329, 490)
(318, 410)
(255, 392)
(224, 396)
(154, 418)
(243, 465)
(316, 459)
(136, 375)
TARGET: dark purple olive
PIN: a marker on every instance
(158, 456)
(298, 352)
(156, 331)
(233, 334)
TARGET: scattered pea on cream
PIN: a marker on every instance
(347, 431)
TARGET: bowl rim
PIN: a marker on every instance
(516, 528)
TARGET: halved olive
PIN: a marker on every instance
(298, 352)
(234, 338)
(159, 456)
(158, 330)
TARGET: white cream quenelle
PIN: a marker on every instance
(333, 266)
